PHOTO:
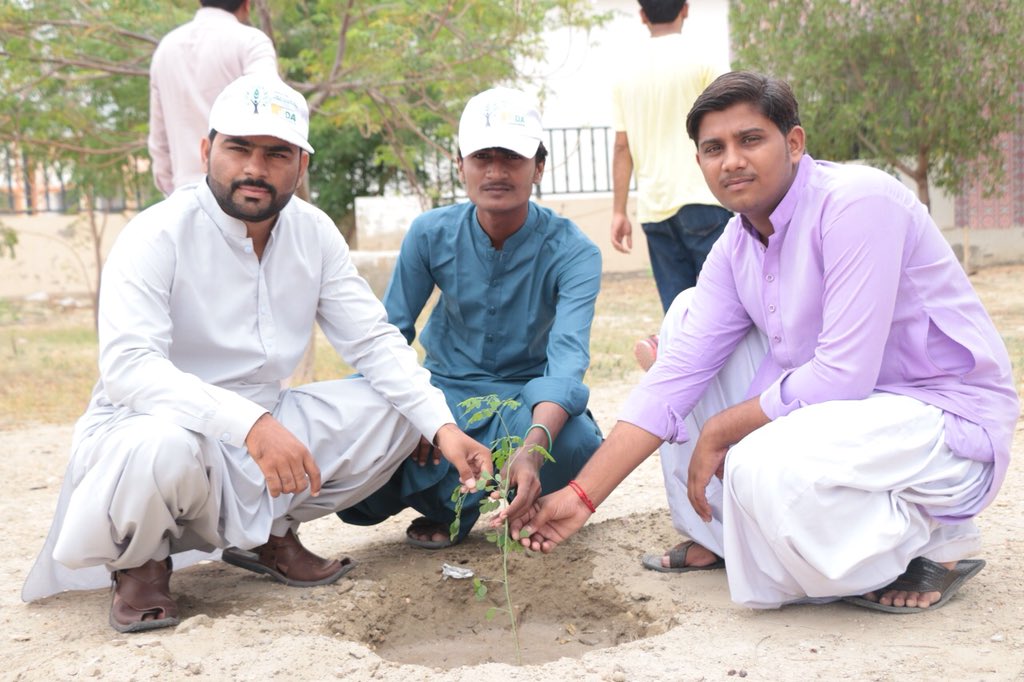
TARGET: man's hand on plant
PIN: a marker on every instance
(523, 472)
(285, 462)
(469, 457)
(550, 520)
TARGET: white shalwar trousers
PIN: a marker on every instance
(140, 488)
(829, 501)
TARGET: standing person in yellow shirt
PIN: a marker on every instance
(680, 217)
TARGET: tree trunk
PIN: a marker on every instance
(920, 176)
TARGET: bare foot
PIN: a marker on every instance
(646, 351)
(905, 598)
(426, 534)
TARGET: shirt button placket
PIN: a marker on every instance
(492, 299)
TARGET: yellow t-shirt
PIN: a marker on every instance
(650, 100)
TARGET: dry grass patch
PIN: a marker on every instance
(48, 354)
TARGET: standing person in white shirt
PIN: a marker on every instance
(189, 441)
(190, 67)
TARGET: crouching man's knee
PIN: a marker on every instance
(142, 481)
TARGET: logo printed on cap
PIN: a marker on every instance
(284, 111)
(257, 96)
(502, 116)
(264, 102)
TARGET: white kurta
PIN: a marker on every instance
(196, 338)
(832, 500)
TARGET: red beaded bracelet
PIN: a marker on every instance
(583, 496)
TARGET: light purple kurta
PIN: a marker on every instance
(857, 291)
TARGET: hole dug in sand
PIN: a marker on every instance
(410, 615)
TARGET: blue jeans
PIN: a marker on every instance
(679, 245)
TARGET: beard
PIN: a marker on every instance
(248, 210)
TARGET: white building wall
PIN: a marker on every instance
(574, 82)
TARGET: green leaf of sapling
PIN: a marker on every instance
(543, 452)
(480, 415)
(471, 404)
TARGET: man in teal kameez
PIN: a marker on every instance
(518, 285)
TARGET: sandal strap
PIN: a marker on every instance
(677, 555)
(147, 587)
(288, 556)
(924, 575)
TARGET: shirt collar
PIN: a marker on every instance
(215, 14)
(783, 213)
(232, 227)
(518, 237)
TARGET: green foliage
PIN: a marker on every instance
(346, 165)
(74, 89)
(385, 81)
(924, 86)
(504, 450)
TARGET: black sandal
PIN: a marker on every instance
(924, 575)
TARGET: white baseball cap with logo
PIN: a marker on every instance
(262, 104)
(501, 117)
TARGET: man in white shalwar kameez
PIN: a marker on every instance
(851, 401)
(191, 441)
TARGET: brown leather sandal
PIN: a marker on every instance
(285, 560)
(141, 598)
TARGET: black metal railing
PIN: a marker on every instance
(579, 162)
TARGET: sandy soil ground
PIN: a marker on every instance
(588, 612)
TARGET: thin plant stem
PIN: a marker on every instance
(506, 449)
(508, 596)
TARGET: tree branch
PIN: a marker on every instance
(320, 93)
(87, 26)
(112, 68)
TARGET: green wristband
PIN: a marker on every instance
(545, 430)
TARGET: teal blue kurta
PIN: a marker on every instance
(514, 322)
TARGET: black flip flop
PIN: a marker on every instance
(925, 575)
